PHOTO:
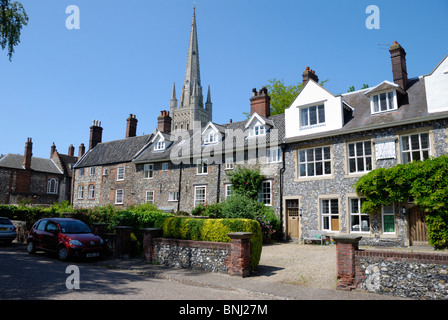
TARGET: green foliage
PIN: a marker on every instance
(214, 230)
(12, 18)
(246, 181)
(426, 182)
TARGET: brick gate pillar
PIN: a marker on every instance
(123, 241)
(148, 245)
(239, 262)
(346, 245)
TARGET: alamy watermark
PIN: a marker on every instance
(73, 21)
(72, 281)
(373, 20)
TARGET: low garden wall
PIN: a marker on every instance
(404, 274)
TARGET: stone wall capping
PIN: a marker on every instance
(240, 235)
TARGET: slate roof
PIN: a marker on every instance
(111, 152)
(412, 107)
(15, 161)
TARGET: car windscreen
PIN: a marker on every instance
(4, 221)
(74, 227)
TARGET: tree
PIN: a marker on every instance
(12, 18)
(283, 95)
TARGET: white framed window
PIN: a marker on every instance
(212, 137)
(311, 116)
(359, 156)
(314, 162)
(92, 171)
(202, 166)
(415, 147)
(359, 221)
(388, 219)
(274, 155)
(173, 196)
(228, 190)
(81, 192)
(91, 191)
(52, 186)
(266, 192)
(200, 195)
(160, 145)
(165, 166)
(120, 173)
(229, 163)
(149, 196)
(258, 130)
(119, 195)
(148, 171)
(329, 210)
(383, 102)
(81, 172)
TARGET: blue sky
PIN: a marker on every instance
(127, 54)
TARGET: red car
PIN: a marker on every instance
(64, 236)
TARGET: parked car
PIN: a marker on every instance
(64, 236)
(7, 230)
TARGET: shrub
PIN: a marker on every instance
(215, 230)
(246, 181)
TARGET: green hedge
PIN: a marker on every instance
(215, 230)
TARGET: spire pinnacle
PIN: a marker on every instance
(192, 73)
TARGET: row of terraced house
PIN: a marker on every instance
(310, 156)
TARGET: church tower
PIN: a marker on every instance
(191, 108)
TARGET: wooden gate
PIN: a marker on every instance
(417, 227)
(292, 216)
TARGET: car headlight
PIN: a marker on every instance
(75, 243)
(101, 241)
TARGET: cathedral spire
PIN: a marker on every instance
(192, 73)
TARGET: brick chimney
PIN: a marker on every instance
(52, 150)
(399, 69)
(71, 150)
(131, 127)
(164, 122)
(82, 150)
(28, 154)
(309, 74)
(96, 134)
(260, 102)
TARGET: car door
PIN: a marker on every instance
(38, 234)
(51, 236)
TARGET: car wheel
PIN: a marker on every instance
(63, 253)
(31, 248)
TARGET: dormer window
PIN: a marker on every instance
(258, 130)
(383, 102)
(314, 115)
(212, 137)
(160, 145)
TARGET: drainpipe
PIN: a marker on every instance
(218, 186)
(282, 171)
(180, 186)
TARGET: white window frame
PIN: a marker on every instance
(310, 161)
(173, 196)
(409, 154)
(119, 196)
(80, 192)
(360, 157)
(306, 116)
(228, 190)
(390, 100)
(120, 173)
(203, 199)
(202, 167)
(211, 137)
(148, 171)
(92, 171)
(330, 214)
(229, 163)
(385, 212)
(274, 155)
(159, 145)
(257, 131)
(91, 191)
(359, 215)
(81, 172)
(149, 196)
(164, 166)
(266, 192)
(52, 186)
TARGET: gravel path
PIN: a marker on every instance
(307, 265)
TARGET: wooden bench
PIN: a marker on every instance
(315, 235)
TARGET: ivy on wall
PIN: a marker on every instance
(425, 182)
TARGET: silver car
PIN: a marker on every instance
(7, 230)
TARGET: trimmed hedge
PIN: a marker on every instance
(214, 230)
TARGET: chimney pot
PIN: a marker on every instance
(399, 68)
(131, 126)
(164, 122)
(261, 103)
